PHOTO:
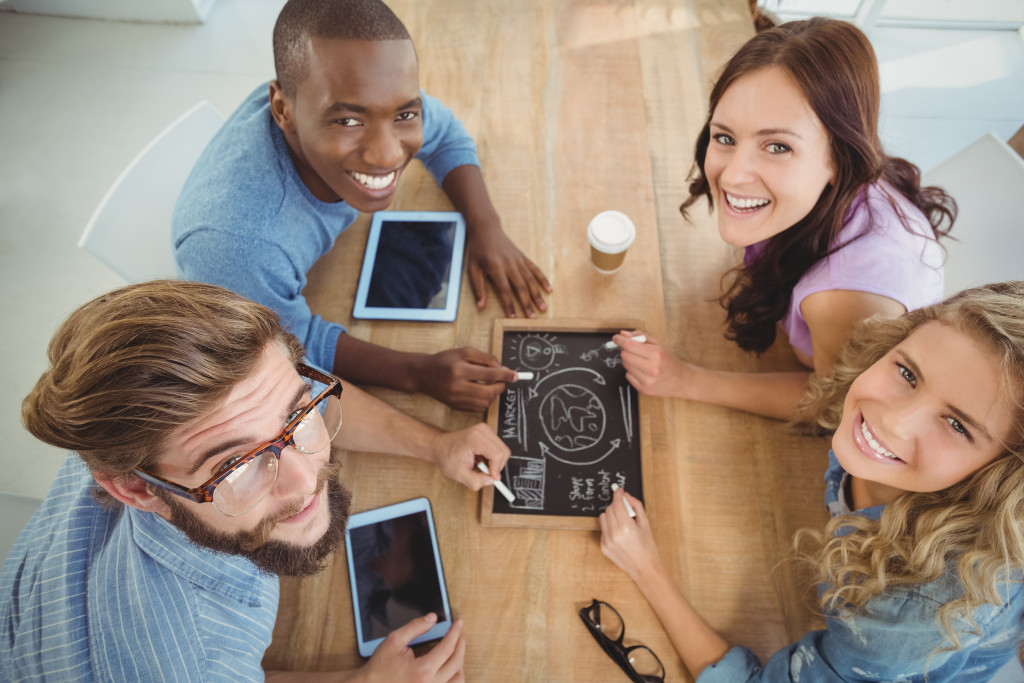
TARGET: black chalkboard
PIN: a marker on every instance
(574, 429)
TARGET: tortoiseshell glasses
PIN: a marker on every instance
(245, 480)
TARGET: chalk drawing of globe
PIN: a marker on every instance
(573, 417)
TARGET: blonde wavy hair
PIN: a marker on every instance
(132, 367)
(977, 524)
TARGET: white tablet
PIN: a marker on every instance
(395, 573)
(412, 269)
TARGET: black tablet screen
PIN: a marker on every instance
(412, 265)
(396, 573)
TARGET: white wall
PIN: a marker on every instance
(160, 11)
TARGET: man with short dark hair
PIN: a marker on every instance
(300, 158)
(201, 471)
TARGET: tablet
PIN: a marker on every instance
(412, 269)
(394, 571)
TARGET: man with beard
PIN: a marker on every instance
(201, 471)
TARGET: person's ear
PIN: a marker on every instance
(281, 109)
(130, 490)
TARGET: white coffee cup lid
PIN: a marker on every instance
(611, 231)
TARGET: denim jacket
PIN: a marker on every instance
(895, 637)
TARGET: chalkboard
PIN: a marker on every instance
(574, 429)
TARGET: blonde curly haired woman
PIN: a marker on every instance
(921, 566)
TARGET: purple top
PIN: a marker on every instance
(879, 256)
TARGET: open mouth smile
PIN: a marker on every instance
(872, 445)
(745, 204)
(374, 182)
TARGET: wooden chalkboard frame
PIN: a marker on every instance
(487, 515)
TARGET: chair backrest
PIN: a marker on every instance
(986, 179)
(130, 231)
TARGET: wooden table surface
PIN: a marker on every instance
(578, 107)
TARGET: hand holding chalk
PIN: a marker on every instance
(638, 338)
(629, 508)
(502, 489)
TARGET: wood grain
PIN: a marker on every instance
(578, 107)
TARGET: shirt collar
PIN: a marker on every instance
(835, 492)
(229, 575)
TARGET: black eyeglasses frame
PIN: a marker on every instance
(614, 648)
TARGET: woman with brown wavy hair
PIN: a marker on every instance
(921, 567)
(833, 229)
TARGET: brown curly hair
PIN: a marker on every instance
(976, 525)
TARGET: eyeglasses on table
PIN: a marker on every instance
(608, 629)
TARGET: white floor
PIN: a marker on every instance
(78, 99)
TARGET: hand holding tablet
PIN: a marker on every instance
(395, 573)
(391, 661)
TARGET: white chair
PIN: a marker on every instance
(130, 231)
(986, 179)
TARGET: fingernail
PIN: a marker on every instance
(430, 618)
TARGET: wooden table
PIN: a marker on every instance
(578, 107)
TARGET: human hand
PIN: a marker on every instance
(651, 368)
(456, 455)
(492, 255)
(394, 660)
(463, 378)
(626, 541)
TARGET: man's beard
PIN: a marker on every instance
(272, 557)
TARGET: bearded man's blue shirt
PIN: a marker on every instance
(97, 593)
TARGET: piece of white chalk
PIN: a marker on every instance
(638, 338)
(629, 508)
(524, 375)
(502, 489)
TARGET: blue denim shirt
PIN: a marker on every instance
(894, 638)
(247, 222)
(117, 594)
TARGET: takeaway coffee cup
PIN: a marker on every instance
(610, 234)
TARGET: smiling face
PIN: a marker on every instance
(354, 123)
(768, 159)
(924, 417)
(296, 510)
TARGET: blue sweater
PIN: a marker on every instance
(893, 638)
(247, 222)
